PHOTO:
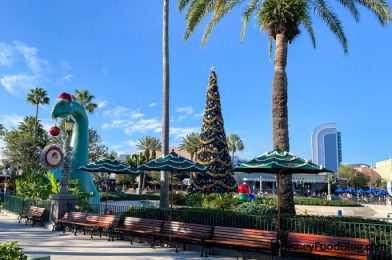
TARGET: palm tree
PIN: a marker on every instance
(164, 191)
(281, 20)
(234, 144)
(190, 143)
(37, 96)
(85, 99)
(149, 145)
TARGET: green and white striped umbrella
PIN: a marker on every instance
(110, 166)
(172, 162)
(279, 161)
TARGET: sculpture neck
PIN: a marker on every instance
(79, 141)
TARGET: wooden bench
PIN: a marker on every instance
(35, 214)
(182, 233)
(139, 226)
(70, 219)
(98, 223)
(241, 239)
(331, 246)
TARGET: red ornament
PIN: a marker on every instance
(243, 188)
(54, 130)
(65, 96)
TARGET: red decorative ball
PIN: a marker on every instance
(243, 189)
(54, 130)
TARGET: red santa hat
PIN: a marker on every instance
(65, 96)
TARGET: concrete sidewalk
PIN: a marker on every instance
(37, 240)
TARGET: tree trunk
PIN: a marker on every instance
(280, 120)
(164, 191)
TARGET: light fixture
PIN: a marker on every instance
(69, 124)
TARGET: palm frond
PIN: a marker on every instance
(247, 13)
(307, 22)
(221, 8)
(380, 8)
(196, 12)
(332, 21)
(350, 5)
(182, 4)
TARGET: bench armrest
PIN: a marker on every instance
(156, 226)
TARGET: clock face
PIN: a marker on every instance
(53, 157)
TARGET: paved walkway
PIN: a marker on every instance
(38, 240)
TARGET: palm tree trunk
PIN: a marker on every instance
(280, 120)
(164, 191)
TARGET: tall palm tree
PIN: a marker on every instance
(190, 143)
(281, 20)
(37, 96)
(234, 143)
(85, 99)
(164, 191)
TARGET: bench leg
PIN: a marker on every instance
(140, 239)
(131, 238)
(177, 246)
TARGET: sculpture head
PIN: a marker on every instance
(63, 106)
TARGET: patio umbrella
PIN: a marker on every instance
(339, 190)
(371, 190)
(350, 190)
(173, 163)
(361, 191)
(382, 192)
(109, 166)
(279, 162)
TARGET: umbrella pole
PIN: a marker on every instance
(278, 205)
(107, 192)
(171, 195)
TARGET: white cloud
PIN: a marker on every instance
(115, 147)
(117, 123)
(198, 115)
(24, 68)
(144, 125)
(132, 143)
(15, 82)
(6, 54)
(67, 78)
(10, 120)
(102, 103)
(182, 132)
(187, 110)
(152, 105)
(123, 112)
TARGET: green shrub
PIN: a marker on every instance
(177, 199)
(195, 199)
(219, 201)
(125, 196)
(11, 251)
(250, 208)
(323, 202)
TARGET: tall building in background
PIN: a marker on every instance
(327, 147)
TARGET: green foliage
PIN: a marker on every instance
(84, 98)
(55, 187)
(190, 143)
(177, 199)
(117, 196)
(234, 143)
(251, 208)
(219, 201)
(21, 148)
(32, 185)
(11, 251)
(323, 202)
(355, 178)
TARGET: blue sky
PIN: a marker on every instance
(113, 49)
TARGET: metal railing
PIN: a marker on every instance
(19, 205)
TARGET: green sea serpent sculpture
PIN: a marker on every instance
(64, 107)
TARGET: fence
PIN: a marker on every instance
(18, 205)
(379, 233)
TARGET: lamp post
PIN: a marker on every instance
(69, 124)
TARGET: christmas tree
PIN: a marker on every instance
(213, 151)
